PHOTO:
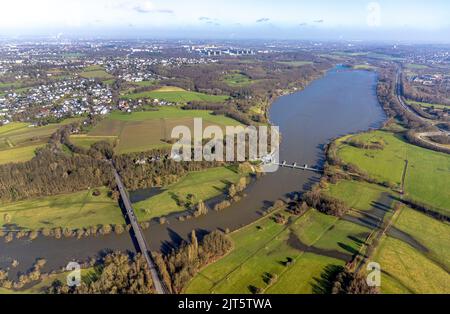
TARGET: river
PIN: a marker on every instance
(342, 101)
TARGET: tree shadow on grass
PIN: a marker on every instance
(348, 248)
(324, 284)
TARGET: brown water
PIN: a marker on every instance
(342, 102)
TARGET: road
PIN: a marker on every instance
(422, 136)
(143, 247)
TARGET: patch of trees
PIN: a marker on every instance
(158, 170)
(178, 267)
(366, 145)
(325, 203)
(347, 282)
(116, 274)
(52, 172)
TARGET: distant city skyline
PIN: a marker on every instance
(231, 19)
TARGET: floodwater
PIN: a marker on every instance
(343, 101)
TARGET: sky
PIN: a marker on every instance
(283, 19)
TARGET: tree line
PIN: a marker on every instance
(117, 273)
(180, 265)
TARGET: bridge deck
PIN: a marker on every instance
(294, 166)
(143, 247)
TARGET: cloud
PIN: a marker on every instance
(209, 20)
(148, 7)
(263, 20)
(303, 24)
(318, 21)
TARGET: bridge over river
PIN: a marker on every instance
(142, 243)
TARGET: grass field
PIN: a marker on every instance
(295, 63)
(405, 270)
(237, 79)
(13, 126)
(431, 233)
(75, 210)
(97, 72)
(415, 66)
(428, 173)
(262, 247)
(364, 67)
(18, 141)
(18, 154)
(357, 195)
(87, 141)
(202, 185)
(145, 83)
(427, 105)
(141, 131)
(176, 95)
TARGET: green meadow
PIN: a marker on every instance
(202, 185)
(87, 141)
(18, 154)
(263, 247)
(19, 141)
(176, 95)
(237, 79)
(295, 63)
(429, 232)
(74, 210)
(427, 175)
(357, 195)
(96, 72)
(406, 270)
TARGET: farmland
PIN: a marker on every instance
(18, 141)
(427, 175)
(357, 195)
(406, 270)
(313, 242)
(97, 72)
(145, 130)
(414, 253)
(18, 154)
(429, 232)
(75, 210)
(202, 185)
(176, 95)
(87, 141)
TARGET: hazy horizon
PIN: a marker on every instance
(401, 20)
